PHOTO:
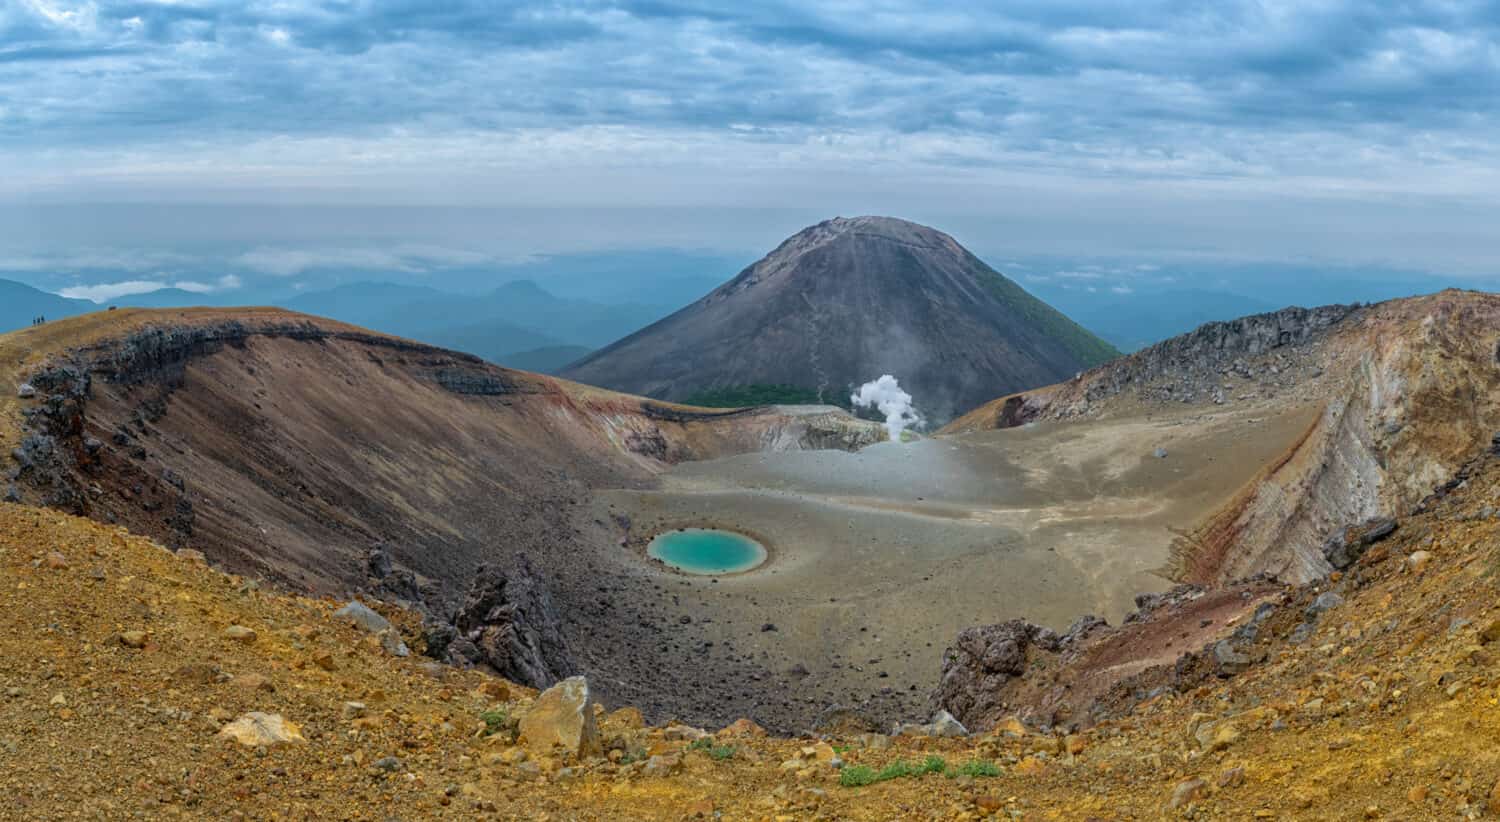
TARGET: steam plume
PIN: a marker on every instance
(886, 396)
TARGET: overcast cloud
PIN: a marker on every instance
(1342, 131)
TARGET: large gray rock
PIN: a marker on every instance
(942, 724)
(358, 613)
(507, 622)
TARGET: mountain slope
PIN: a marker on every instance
(845, 301)
(1408, 390)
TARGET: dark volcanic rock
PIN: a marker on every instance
(1347, 545)
(509, 619)
(980, 664)
(845, 301)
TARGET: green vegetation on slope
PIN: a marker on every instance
(1074, 337)
(744, 396)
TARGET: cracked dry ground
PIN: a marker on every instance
(1388, 710)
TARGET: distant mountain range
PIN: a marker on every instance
(552, 311)
(518, 324)
(20, 304)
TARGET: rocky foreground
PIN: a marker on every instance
(139, 683)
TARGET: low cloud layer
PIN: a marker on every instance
(103, 292)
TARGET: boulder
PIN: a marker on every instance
(256, 730)
(562, 716)
(358, 613)
(507, 620)
(1228, 661)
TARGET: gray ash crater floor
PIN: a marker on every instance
(879, 558)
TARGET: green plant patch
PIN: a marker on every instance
(858, 776)
(495, 720)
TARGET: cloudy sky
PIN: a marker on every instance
(217, 143)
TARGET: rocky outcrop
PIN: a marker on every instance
(1184, 368)
(980, 664)
(508, 623)
(1347, 545)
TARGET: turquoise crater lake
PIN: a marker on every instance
(707, 551)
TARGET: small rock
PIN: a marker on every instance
(1010, 726)
(683, 733)
(628, 717)
(256, 729)
(1417, 561)
(324, 660)
(193, 556)
(1074, 744)
(742, 728)
(1216, 736)
(1185, 792)
(253, 682)
(353, 710)
(239, 633)
(1159, 453)
(1229, 661)
(389, 764)
(1232, 778)
(767, 627)
(1490, 633)
(563, 715)
(663, 765)
(196, 673)
(1418, 794)
(55, 561)
(25, 391)
(133, 639)
(1325, 601)
(391, 642)
(499, 690)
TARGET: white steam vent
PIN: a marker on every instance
(885, 395)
